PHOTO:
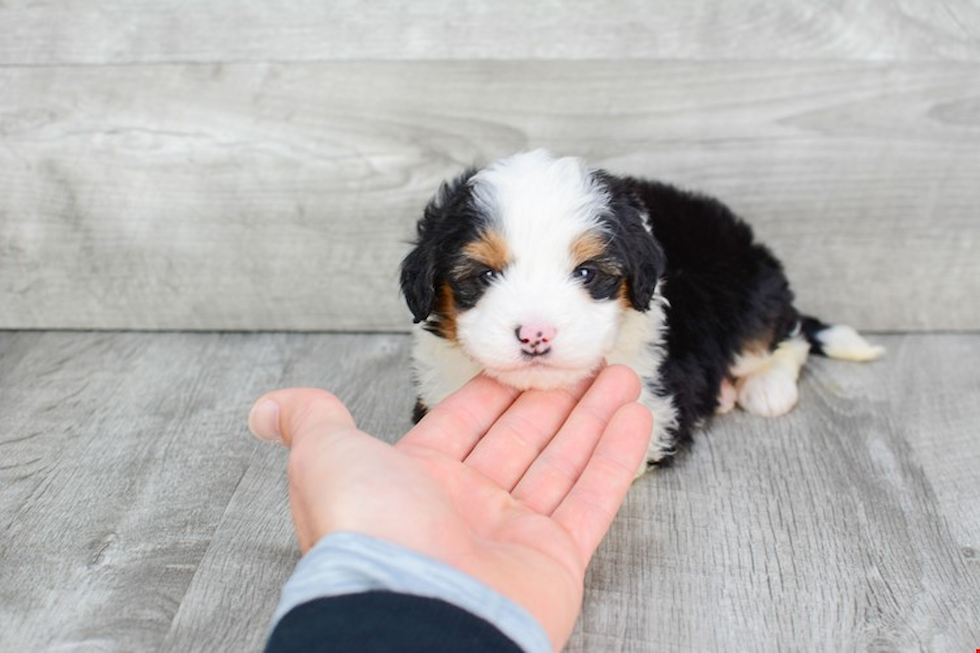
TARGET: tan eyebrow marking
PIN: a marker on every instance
(588, 246)
(490, 249)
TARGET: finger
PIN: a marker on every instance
(455, 425)
(302, 419)
(588, 510)
(522, 432)
(555, 471)
(287, 415)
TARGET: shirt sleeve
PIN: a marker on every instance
(350, 563)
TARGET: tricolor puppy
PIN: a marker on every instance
(536, 269)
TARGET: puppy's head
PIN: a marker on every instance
(530, 265)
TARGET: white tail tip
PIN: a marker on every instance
(843, 342)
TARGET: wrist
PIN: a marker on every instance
(351, 563)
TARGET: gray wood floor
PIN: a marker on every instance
(138, 514)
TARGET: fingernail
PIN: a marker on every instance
(263, 421)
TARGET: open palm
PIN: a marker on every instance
(515, 489)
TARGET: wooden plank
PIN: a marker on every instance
(222, 30)
(939, 422)
(243, 574)
(282, 196)
(115, 471)
(138, 514)
(823, 530)
(120, 454)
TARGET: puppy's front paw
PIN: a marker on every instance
(770, 392)
(658, 451)
(663, 439)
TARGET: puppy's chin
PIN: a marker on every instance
(539, 377)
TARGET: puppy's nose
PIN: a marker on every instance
(535, 335)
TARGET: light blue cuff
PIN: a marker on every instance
(351, 563)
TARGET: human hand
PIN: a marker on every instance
(515, 489)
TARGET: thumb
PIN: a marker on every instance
(285, 416)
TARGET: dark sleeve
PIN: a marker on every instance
(385, 621)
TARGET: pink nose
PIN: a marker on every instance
(535, 335)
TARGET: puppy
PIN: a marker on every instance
(535, 270)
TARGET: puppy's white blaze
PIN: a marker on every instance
(541, 204)
(843, 342)
(535, 194)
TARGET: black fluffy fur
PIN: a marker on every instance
(724, 291)
(449, 221)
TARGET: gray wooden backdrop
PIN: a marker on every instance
(258, 165)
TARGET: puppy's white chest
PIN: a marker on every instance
(440, 366)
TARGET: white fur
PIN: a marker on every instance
(639, 345)
(766, 384)
(843, 342)
(442, 367)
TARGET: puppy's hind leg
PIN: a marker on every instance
(727, 396)
(766, 384)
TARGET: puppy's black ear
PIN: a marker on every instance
(418, 281)
(420, 269)
(642, 257)
(645, 265)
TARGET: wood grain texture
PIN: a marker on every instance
(129, 502)
(369, 373)
(822, 530)
(137, 514)
(268, 196)
(125, 32)
(114, 475)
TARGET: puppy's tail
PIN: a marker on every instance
(838, 341)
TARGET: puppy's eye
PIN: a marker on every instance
(584, 273)
(488, 276)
